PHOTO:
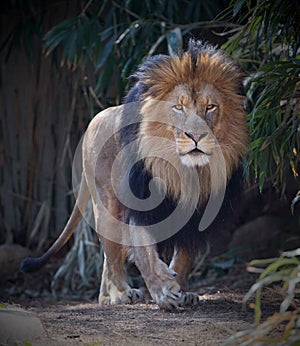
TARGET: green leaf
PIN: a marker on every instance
(260, 284)
(59, 33)
(105, 34)
(272, 268)
(174, 39)
(238, 6)
(27, 343)
(106, 52)
(294, 202)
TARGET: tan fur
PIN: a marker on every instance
(188, 104)
(215, 82)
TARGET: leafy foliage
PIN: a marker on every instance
(285, 269)
(282, 328)
(267, 45)
(115, 36)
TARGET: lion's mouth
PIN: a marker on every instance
(194, 157)
(196, 152)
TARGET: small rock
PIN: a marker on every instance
(17, 325)
(259, 238)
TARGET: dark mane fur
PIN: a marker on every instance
(188, 237)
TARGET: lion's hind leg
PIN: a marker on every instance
(114, 288)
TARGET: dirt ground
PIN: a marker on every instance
(219, 314)
(215, 319)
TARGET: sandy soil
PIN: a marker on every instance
(216, 317)
(219, 314)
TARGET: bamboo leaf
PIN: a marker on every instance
(155, 45)
(59, 34)
(106, 52)
(259, 285)
(238, 6)
(295, 201)
(273, 267)
(174, 39)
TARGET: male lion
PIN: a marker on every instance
(175, 146)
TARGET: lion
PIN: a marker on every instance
(178, 139)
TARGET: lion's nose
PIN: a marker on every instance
(195, 136)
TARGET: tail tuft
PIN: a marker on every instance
(29, 264)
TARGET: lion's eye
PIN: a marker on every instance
(210, 107)
(178, 107)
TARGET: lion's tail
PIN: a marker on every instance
(30, 264)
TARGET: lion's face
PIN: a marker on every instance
(195, 121)
(196, 114)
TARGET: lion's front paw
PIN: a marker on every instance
(168, 297)
(189, 298)
(130, 296)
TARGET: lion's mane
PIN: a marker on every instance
(155, 79)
